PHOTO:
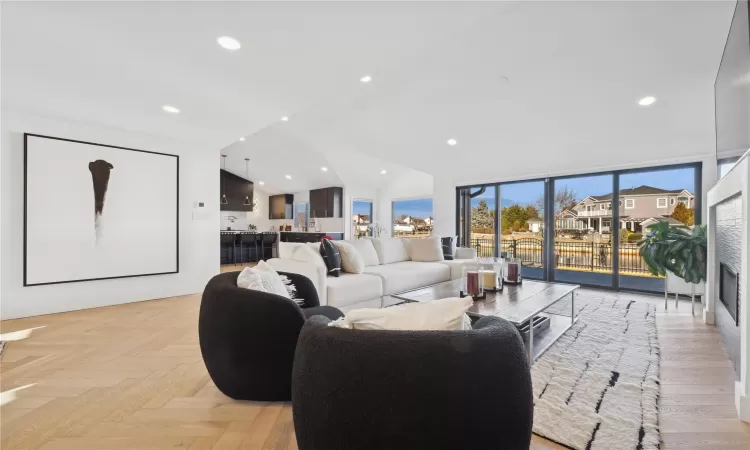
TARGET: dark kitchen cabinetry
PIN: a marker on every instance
(237, 189)
(326, 202)
(280, 206)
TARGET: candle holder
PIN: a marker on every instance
(512, 271)
(472, 283)
(492, 273)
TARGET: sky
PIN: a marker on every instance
(526, 193)
(360, 207)
(421, 207)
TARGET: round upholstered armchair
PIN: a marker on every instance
(248, 337)
(411, 390)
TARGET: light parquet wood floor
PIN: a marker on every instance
(132, 377)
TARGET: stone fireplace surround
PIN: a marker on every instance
(728, 244)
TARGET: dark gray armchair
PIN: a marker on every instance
(248, 337)
(411, 390)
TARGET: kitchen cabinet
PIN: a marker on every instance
(236, 189)
(326, 202)
(280, 206)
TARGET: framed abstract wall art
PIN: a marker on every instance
(95, 211)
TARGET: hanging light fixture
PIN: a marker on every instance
(224, 200)
(248, 202)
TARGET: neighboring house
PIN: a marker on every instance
(361, 223)
(638, 207)
(535, 225)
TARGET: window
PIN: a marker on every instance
(362, 219)
(725, 165)
(620, 203)
(609, 205)
(412, 218)
(602, 206)
(301, 215)
(672, 201)
(606, 223)
(629, 203)
(685, 201)
(661, 202)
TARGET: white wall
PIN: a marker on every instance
(412, 185)
(199, 237)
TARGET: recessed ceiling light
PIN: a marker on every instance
(324, 169)
(284, 119)
(242, 139)
(170, 109)
(452, 142)
(288, 177)
(366, 79)
(383, 172)
(261, 183)
(647, 101)
(229, 43)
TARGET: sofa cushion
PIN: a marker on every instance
(448, 249)
(456, 267)
(351, 260)
(365, 248)
(351, 288)
(390, 250)
(408, 275)
(426, 249)
(302, 252)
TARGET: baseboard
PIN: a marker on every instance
(741, 402)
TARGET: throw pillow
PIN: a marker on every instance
(331, 256)
(351, 260)
(390, 250)
(425, 249)
(366, 250)
(447, 244)
(262, 278)
(444, 314)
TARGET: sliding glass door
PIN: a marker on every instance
(646, 198)
(522, 225)
(583, 251)
(580, 229)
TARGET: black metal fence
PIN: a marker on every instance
(590, 256)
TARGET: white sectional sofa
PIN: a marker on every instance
(388, 270)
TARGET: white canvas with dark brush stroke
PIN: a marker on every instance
(138, 223)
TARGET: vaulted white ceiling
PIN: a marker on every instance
(527, 88)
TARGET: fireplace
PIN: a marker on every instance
(729, 290)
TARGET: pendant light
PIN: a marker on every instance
(224, 200)
(248, 202)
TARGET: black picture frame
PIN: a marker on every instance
(25, 211)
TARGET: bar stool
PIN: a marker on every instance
(248, 247)
(228, 250)
(258, 246)
(268, 244)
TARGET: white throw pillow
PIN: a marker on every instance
(444, 314)
(262, 278)
(366, 250)
(351, 260)
(425, 249)
(390, 250)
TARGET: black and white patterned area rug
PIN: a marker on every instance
(597, 387)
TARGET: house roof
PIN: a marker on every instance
(640, 190)
(668, 219)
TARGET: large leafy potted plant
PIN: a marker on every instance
(676, 249)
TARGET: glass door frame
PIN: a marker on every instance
(548, 250)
